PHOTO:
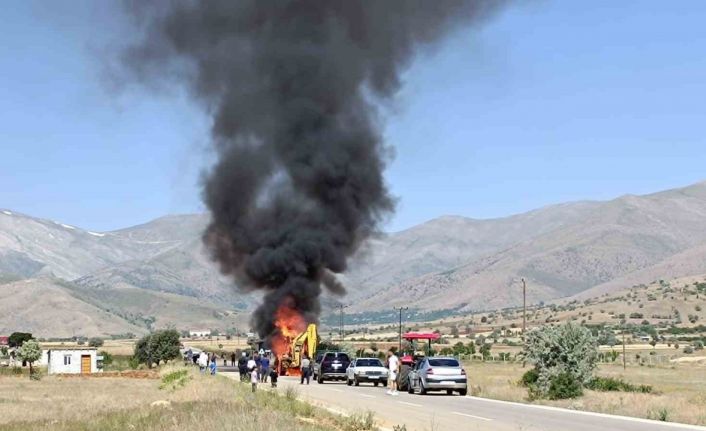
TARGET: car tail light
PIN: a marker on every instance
(430, 371)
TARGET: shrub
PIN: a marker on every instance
(529, 378)
(95, 342)
(563, 386)
(558, 350)
(607, 384)
(174, 380)
(107, 358)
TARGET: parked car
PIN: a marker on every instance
(366, 370)
(438, 374)
(333, 366)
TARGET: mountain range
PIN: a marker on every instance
(60, 280)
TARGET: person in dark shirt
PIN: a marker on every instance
(243, 366)
(264, 368)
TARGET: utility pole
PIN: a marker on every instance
(341, 326)
(524, 306)
(624, 348)
(400, 309)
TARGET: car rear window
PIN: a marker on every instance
(368, 363)
(340, 356)
(443, 362)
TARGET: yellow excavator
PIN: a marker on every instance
(303, 344)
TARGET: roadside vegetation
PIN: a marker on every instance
(181, 399)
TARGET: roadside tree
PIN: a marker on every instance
(563, 355)
(157, 347)
(30, 352)
(17, 338)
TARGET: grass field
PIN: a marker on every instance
(203, 402)
(680, 390)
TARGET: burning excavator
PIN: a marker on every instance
(293, 340)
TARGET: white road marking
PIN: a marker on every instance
(367, 396)
(410, 404)
(594, 414)
(472, 416)
(335, 390)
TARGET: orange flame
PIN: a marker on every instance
(289, 323)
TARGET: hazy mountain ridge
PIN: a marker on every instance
(450, 262)
(607, 241)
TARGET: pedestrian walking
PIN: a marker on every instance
(305, 369)
(265, 368)
(252, 368)
(254, 377)
(232, 359)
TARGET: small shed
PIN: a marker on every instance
(78, 360)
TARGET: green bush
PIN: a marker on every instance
(529, 378)
(558, 350)
(95, 342)
(174, 379)
(563, 386)
(107, 358)
(610, 384)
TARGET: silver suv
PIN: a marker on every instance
(438, 374)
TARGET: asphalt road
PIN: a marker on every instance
(458, 413)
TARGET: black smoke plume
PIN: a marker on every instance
(292, 88)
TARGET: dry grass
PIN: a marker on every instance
(204, 402)
(680, 390)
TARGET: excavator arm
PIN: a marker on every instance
(304, 343)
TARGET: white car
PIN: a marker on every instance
(366, 370)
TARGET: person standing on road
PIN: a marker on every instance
(264, 368)
(305, 369)
(243, 366)
(393, 364)
(232, 359)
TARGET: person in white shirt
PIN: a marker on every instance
(203, 362)
(393, 364)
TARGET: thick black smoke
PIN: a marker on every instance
(292, 87)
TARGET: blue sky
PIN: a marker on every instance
(549, 102)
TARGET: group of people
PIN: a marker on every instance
(257, 368)
(205, 361)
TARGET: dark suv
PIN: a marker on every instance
(331, 366)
